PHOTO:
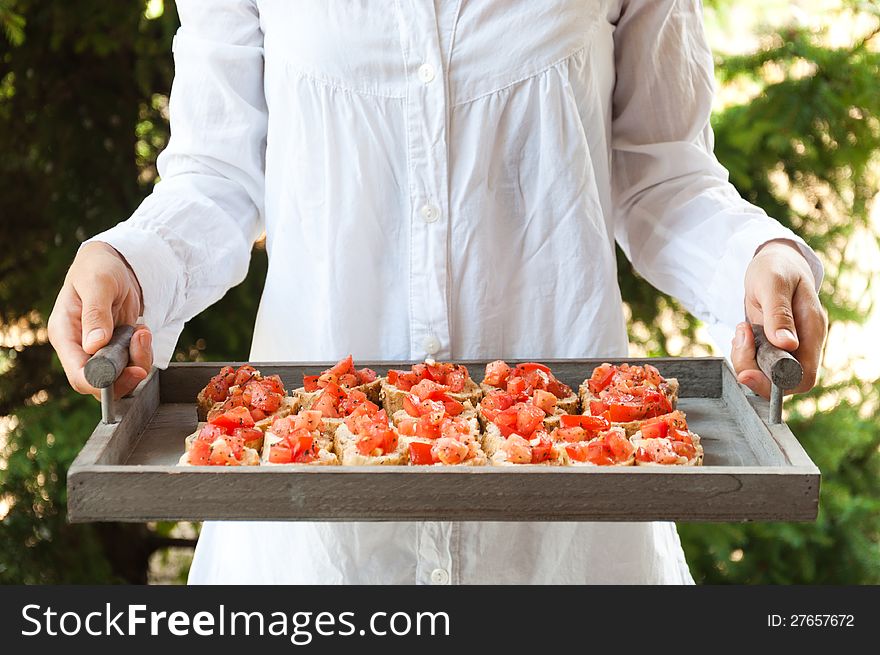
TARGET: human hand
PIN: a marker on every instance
(780, 293)
(100, 292)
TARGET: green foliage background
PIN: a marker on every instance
(83, 94)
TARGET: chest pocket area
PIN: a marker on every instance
(353, 45)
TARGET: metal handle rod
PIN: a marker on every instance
(106, 365)
(780, 366)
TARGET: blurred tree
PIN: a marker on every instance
(83, 100)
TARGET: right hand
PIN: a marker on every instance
(100, 292)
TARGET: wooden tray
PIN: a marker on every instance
(752, 470)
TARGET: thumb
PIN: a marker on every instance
(778, 317)
(97, 314)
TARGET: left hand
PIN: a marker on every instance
(781, 295)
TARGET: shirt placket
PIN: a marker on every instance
(426, 110)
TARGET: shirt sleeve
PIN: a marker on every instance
(191, 238)
(679, 221)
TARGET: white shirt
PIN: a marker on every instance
(442, 179)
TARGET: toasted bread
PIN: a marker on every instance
(392, 397)
(344, 446)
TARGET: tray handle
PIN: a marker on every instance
(106, 365)
(785, 372)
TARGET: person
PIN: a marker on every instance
(445, 180)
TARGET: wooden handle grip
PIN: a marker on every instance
(104, 366)
(779, 365)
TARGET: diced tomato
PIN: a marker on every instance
(456, 378)
(516, 386)
(274, 384)
(588, 423)
(348, 380)
(329, 400)
(243, 374)
(412, 404)
(656, 430)
(263, 398)
(407, 426)
(570, 434)
(429, 390)
(542, 448)
(309, 419)
(528, 419)
(601, 378)
(257, 415)
(531, 366)
(343, 366)
(624, 412)
(251, 437)
(450, 450)
(200, 452)
(621, 448)
(281, 453)
(237, 417)
(366, 375)
(495, 402)
(684, 449)
(420, 453)
(310, 383)
(222, 455)
(303, 446)
(496, 373)
(210, 432)
(545, 400)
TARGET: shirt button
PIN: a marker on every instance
(426, 73)
(432, 346)
(430, 213)
(439, 576)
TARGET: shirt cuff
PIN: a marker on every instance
(728, 283)
(161, 278)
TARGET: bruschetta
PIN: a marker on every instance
(525, 380)
(227, 441)
(344, 375)
(516, 435)
(457, 442)
(498, 400)
(666, 440)
(298, 439)
(606, 447)
(628, 393)
(264, 397)
(367, 438)
(454, 377)
(334, 403)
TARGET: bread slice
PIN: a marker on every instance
(669, 387)
(345, 448)
(493, 439)
(325, 456)
(478, 459)
(392, 397)
(370, 390)
(250, 456)
(696, 460)
(468, 413)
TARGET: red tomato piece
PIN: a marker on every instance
(250, 437)
(545, 400)
(496, 373)
(237, 417)
(528, 419)
(343, 366)
(420, 453)
(243, 374)
(310, 383)
(601, 378)
(588, 423)
(542, 448)
(281, 453)
(200, 452)
(366, 375)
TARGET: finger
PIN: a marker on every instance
(140, 349)
(97, 313)
(65, 335)
(812, 329)
(777, 316)
(743, 357)
(130, 377)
